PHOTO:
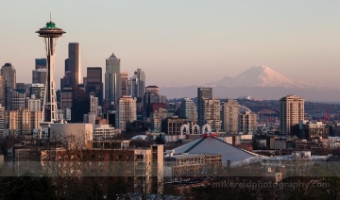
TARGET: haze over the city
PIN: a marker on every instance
(181, 43)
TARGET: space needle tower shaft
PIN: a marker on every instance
(50, 33)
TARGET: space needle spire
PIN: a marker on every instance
(50, 33)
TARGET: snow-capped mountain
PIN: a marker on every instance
(261, 82)
(259, 76)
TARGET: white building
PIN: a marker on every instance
(33, 104)
(103, 132)
(212, 113)
(73, 135)
(127, 111)
(292, 111)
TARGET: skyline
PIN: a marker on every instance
(300, 41)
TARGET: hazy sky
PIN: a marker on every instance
(181, 42)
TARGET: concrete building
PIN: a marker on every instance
(211, 113)
(171, 126)
(310, 130)
(247, 123)
(292, 111)
(102, 132)
(188, 110)
(23, 121)
(159, 113)
(202, 92)
(112, 80)
(2, 121)
(33, 104)
(230, 112)
(127, 111)
(72, 135)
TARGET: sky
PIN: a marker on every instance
(180, 42)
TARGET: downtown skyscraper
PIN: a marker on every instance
(292, 112)
(112, 80)
(202, 94)
(73, 64)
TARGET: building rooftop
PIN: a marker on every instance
(209, 146)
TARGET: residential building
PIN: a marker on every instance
(247, 123)
(126, 112)
(211, 113)
(292, 111)
(188, 110)
(230, 112)
(33, 104)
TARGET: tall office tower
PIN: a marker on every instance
(211, 113)
(124, 83)
(137, 84)
(188, 110)
(127, 111)
(202, 92)
(74, 63)
(80, 105)
(292, 111)
(230, 112)
(50, 33)
(112, 80)
(247, 123)
(9, 80)
(94, 83)
(40, 63)
(2, 91)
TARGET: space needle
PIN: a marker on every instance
(50, 33)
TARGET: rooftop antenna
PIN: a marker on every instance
(50, 17)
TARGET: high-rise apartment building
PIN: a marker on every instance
(292, 111)
(74, 63)
(202, 92)
(33, 104)
(230, 112)
(247, 123)
(127, 111)
(24, 121)
(17, 100)
(211, 113)
(94, 83)
(112, 80)
(188, 110)
(124, 83)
